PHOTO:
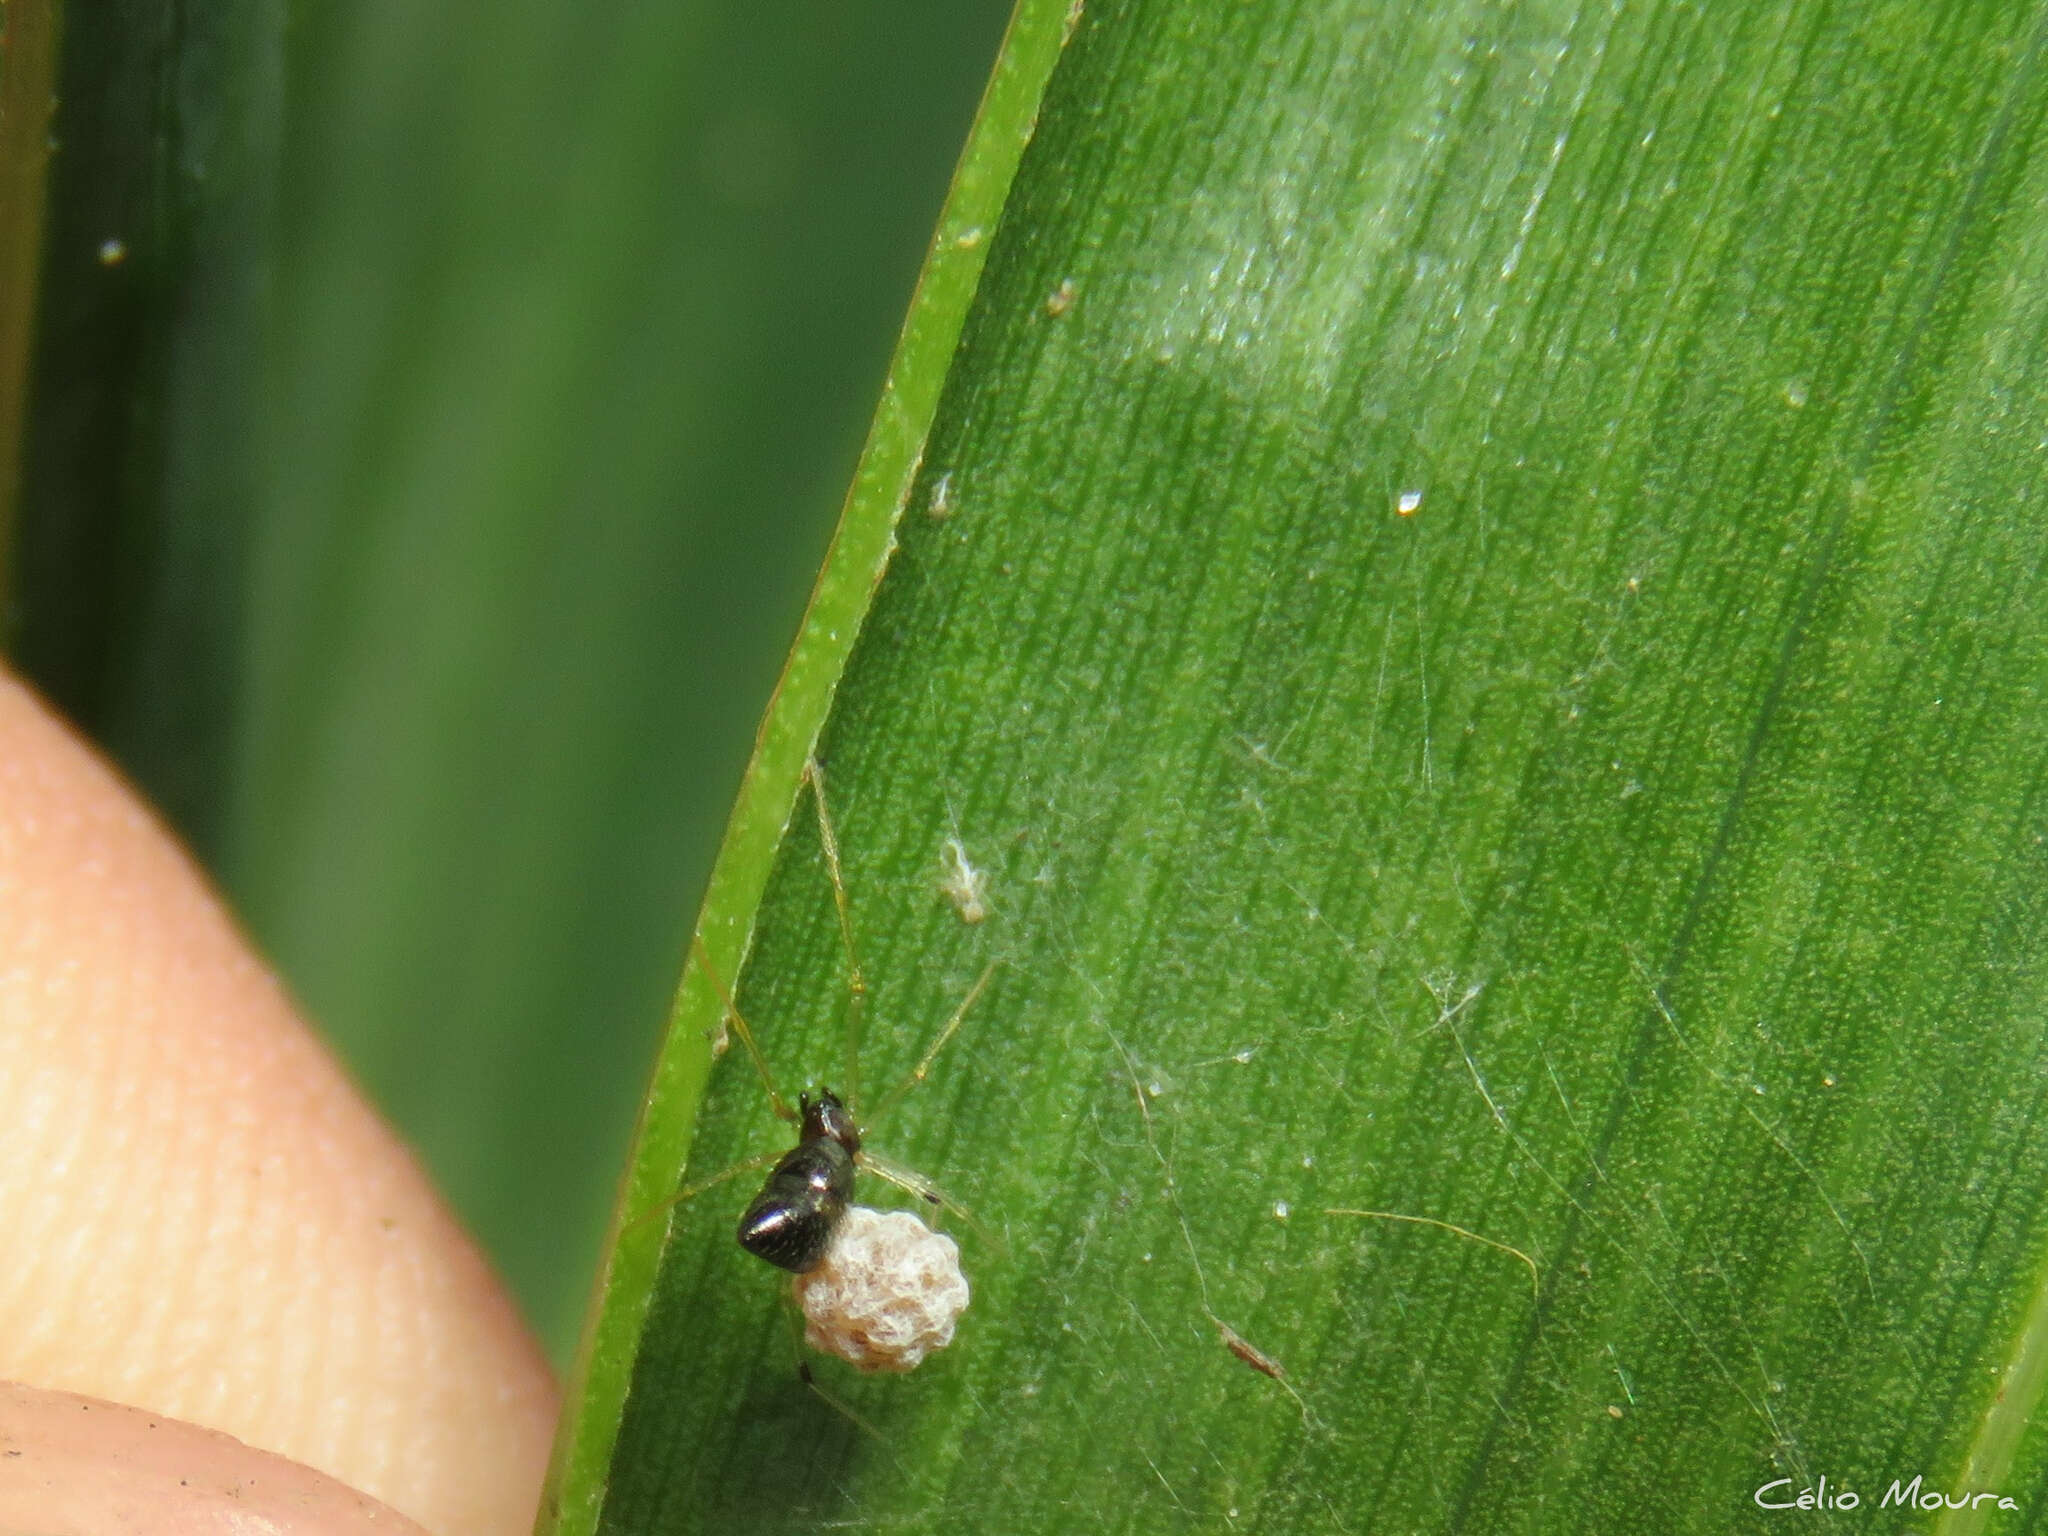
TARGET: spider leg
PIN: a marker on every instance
(912, 1182)
(856, 983)
(809, 1378)
(692, 1191)
(746, 1033)
(917, 1073)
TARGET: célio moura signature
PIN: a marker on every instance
(1820, 1496)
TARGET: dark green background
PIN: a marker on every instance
(421, 510)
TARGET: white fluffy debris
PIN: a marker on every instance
(961, 883)
(887, 1294)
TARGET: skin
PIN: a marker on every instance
(206, 1223)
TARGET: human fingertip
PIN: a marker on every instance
(79, 1466)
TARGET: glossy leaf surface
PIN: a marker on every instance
(1476, 592)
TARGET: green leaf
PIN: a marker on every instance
(1487, 634)
(135, 484)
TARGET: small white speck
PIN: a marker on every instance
(113, 252)
(1243, 1058)
(1145, 1258)
(1280, 1210)
(1757, 1089)
(1795, 393)
(968, 239)
(1408, 503)
(1308, 1159)
(938, 505)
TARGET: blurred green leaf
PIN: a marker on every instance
(138, 483)
(1475, 591)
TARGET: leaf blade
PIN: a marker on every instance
(1483, 638)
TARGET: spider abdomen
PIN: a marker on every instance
(791, 1221)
